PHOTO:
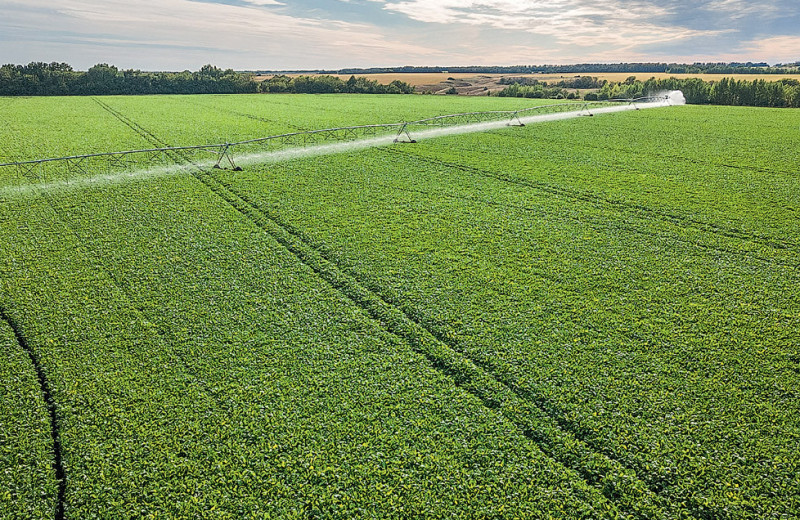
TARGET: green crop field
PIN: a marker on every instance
(597, 317)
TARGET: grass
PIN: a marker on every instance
(579, 319)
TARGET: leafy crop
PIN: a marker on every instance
(582, 319)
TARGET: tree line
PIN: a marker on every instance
(727, 91)
(60, 79)
(326, 84)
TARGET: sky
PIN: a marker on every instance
(332, 34)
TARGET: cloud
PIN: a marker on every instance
(249, 35)
(311, 34)
(775, 49)
(615, 24)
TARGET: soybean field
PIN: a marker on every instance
(593, 317)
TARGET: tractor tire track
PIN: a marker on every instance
(205, 106)
(629, 229)
(52, 409)
(621, 205)
(536, 418)
(672, 157)
(448, 337)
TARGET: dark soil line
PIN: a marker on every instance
(701, 226)
(52, 408)
(132, 125)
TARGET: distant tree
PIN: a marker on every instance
(276, 84)
(101, 79)
(209, 71)
(400, 87)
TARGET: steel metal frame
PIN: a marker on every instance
(79, 164)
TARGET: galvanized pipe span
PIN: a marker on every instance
(225, 151)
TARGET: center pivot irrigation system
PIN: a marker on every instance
(222, 155)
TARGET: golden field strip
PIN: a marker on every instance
(419, 79)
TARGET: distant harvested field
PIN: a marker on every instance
(419, 79)
(415, 79)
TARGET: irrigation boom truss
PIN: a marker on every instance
(220, 154)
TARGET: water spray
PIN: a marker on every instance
(300, 145)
